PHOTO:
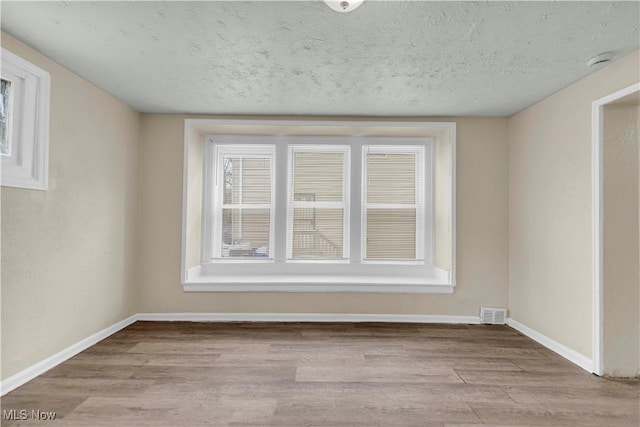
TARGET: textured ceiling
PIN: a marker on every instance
(300, 57)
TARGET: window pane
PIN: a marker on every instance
(5, 136)
(391, 178)
(317, 176)
(247, 180)
(391, 234)
(317, 233)
(245, 233)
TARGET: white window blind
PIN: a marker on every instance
(318, 194)
(243, 202)
(393, 206)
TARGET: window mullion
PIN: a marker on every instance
(356, 211)
(281, 233)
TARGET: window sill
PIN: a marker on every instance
(437, 283)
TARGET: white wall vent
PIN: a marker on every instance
(493, 316)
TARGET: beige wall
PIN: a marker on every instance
(482, 233)
(550, 207)
(621, 275)
(69, 253)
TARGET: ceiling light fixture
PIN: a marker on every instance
(343, 5)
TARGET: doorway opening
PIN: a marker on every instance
(616, 233)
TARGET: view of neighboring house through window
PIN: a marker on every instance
(243, 202)
(318, 189)
(5, 117)
(311, 198)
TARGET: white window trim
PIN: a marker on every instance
(200, 278)
(28, 163)
(10, 116)
(344, 204)
(215, 148)
(423, 193)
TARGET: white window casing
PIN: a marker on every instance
(25, 163)
(318, 186)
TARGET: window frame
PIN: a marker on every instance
(423, 193)
(215, 149)
(9, 113)
(355, 277)
(345, 204)
(217, 146)
(27, 164)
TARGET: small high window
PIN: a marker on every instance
(24, 123)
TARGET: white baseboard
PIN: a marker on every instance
(40, 368)
(571, 355)
(43, 366)
(307, 317)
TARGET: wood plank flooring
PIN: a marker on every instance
(338, 374)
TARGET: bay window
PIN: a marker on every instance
(319, 213)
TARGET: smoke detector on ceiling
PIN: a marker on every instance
(599, 59)
(343, 5)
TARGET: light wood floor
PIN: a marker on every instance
(283, 374)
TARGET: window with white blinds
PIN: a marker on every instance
(393, 205)
(316, 207)
(318, 202)
(243, 202)
(288, 200)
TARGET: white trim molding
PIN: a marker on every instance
(437, 281)
(321, 287)
(571, 355)
(597, 210)
(308, 317)
(200, 273)
(43, 366)
(27, 165)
